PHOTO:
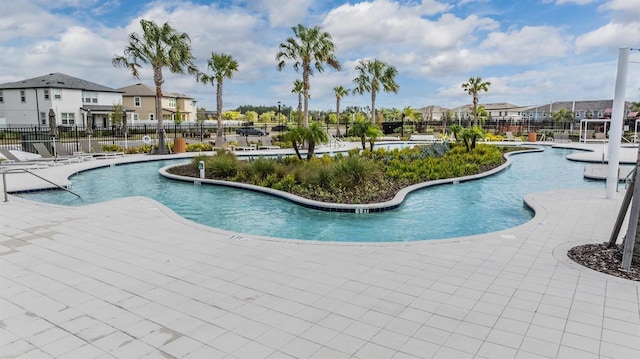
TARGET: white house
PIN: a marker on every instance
(27, 103)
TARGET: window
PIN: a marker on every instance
(46, 94)
(57, 94)
(89, 97)
(23, 96)
(43, 118)
(137, 102)
(134, 117)
(151, 116)
(68, 118)
(1, 97)
(172, 102)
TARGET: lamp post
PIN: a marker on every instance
(279, 120)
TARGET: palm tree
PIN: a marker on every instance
(313, 135)
(375, 75)
(294, 135)
(223, 66)
(361, 129)
(470, 135)
(373, 132)
(473, 87)
(159, 46)
(562, 116)
(340, 92)
(309, 46)
(298, 86)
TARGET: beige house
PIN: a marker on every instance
(142, 99)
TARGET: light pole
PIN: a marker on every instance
(279, 120)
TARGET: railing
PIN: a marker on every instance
(4, 182)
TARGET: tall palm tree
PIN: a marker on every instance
(160, 46)
(375, 75)
(473, 87)
(340, 92)
(310, 47)
(298, 86)
(223, 66)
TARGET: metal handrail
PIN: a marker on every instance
(628, 178)
(4, 182)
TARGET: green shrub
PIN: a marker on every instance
(198, 147)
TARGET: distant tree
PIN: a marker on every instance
(178, 115)
(161, 46)
(201, 115)
(563, 116)
(223, 66)
(309, 47)
(251, 116)
(340, 92)
(473, 87)
(482, 114)
(374, 76)
(116, 114)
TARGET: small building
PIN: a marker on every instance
(27, 103)
(141, 99)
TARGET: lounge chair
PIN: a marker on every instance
(44, 153)
(97, 148)
(13, 161)
(94, 151)
(61, 150)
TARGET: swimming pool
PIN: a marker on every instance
(490, 204)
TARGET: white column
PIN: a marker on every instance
(617, 114)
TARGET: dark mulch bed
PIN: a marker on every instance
(601, 258)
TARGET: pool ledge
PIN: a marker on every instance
(391, 204)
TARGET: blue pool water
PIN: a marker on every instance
(490, 204)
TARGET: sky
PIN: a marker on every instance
(532, 51)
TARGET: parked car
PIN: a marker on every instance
(280, 128)
(251, 131)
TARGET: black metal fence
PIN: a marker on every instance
(22, 138)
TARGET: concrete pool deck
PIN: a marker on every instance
(131, 279)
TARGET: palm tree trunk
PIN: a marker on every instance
(475, 111)
(299, 109)
(305, 92)
(373, 106)
(219, 112)
(157, 79)
(338, 117)
(311, 150)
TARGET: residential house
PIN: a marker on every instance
(142, 99)
(27, 102)
(499, 111)
(598, 109)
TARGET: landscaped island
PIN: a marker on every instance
(358, 177)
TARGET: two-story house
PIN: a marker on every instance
(141, 99)
(27, 102)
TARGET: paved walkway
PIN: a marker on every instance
(131, 279)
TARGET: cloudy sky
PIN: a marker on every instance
(532, 51)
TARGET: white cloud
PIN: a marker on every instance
(577, 2)
(622, 31)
